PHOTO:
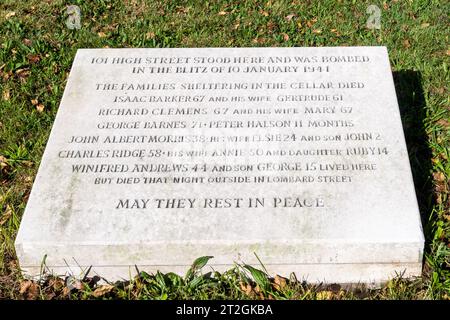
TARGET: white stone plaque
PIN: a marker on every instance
(293, 155)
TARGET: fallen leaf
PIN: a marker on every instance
(34, 58)
(444, 123)
(6, 94)
(439, 176)
(317, 31)
(222, 13)
(66, 291)
(102, 290)
(285, 36)
(24, 285)
(3, 162)
(289, 17)
(439, 90)
(22, 73)
(27, 163)
(101, 34)
(50, 296)
(246, 288)
(311, 22)
(27, 42)
(258, 40)
(406, 43)
(34, 102)
(6, 215)
(29, 289)
(264, 13)
(150, 35)
(56, 284)
(40, 107)
(73, 283)
(279, 282)
(335, 32)
(183, 10)
(236, 26)
(9, 15)
(425, 24)
(324, 295)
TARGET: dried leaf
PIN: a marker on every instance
(183, 10)
(259, 40)
(101, 34)
(150, 35)
(73, 283)
(246, 288)
(27, 42)
(324, 295)
(6, 215)
(3, 162)
(439, 176)
(33, 58)
(24, 285)
(22, 73)
(425, 25)
(336, 32)
(440, 90)
(56, 283)
(29, 289)
(222, 13)
(271, 26)
(444, 123)
(406, 43)
(40, 107)
(311, 22)
(289, 17)
(65, 291)
(285, 36)
(317, 31)
(27, 163)
(9, 15)
(264, 13)
(102, 290)
(279, 282)
(6, 94)
(34, 102)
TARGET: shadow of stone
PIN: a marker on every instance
(410, 96)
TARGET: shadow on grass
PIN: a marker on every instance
(410, 96)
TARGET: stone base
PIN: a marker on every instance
(370, 274)
(313, 261)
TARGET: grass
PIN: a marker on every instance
(36, 53)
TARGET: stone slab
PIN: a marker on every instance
(160, 156)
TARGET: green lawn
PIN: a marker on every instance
(37, 50)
